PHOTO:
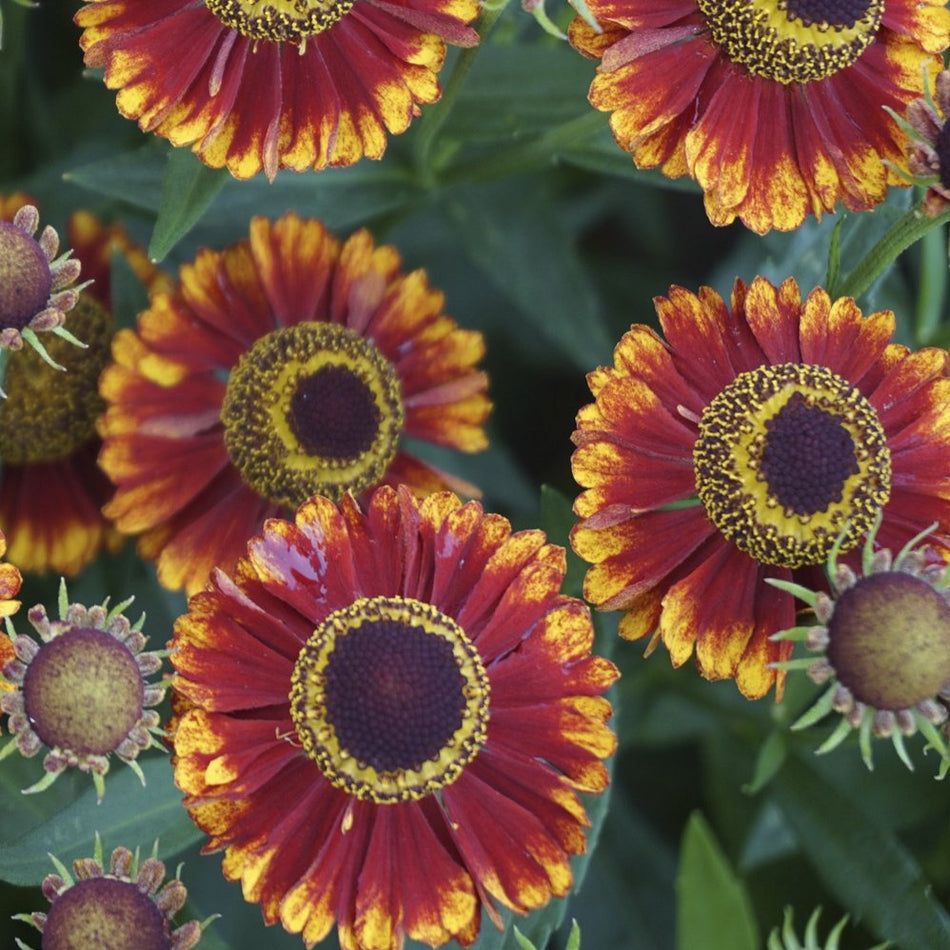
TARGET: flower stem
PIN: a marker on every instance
(933, 287)
(433, 120)
(905, 232)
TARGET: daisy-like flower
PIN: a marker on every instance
(737, 450)
(775, 108)
(883, 645)
(124, 908)
(286, 366)
(51, 487)
(928, 124)
(36, 282)
(385, 719)
(285, 84)
(81, 693)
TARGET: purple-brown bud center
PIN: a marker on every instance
(25, 277)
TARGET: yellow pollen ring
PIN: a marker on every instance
(770, 41)
(728, 455)
(311, 716)
(258, 409)
(279, 21)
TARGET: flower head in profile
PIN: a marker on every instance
(296, 85)
(51, 487)
(81, 692)
(737, 449)
(928, 125)
(288, 365)
(882, 641)
(385, 718)
(127, 906)
(776, 109)
(36, 282)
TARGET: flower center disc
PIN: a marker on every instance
(280, 21)
(312, 409)
(50, 414)
(889, 640)
(390, 699)
(786, 456)
(106, 914)
(25, 277)
(793, 40)
(83, 692)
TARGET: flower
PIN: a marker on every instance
(929, 150)
(386, 717)
(126, 906)
(35, 283)
(82, 692)
(737, 450)
(288, 85)
(883, 636)
(774, 108)
(10, 581)
(51, 487)
(285, 366)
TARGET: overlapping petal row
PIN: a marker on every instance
(164, 440)
(655, 552)
(501, 834)
(766, 151)
(251, 104)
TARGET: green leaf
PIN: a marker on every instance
(768, 762)
(514, 236)
(859, 858)
(188, 189)
(134, 177)
(502, 98)
(130, 815)
(714, 911)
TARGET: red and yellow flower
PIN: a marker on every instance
(288, 365)
(776, 109)
(294, 85)
(385, 718)
(738, 449)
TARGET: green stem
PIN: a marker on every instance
(433, 120)
(933, 287)
(905, 232)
